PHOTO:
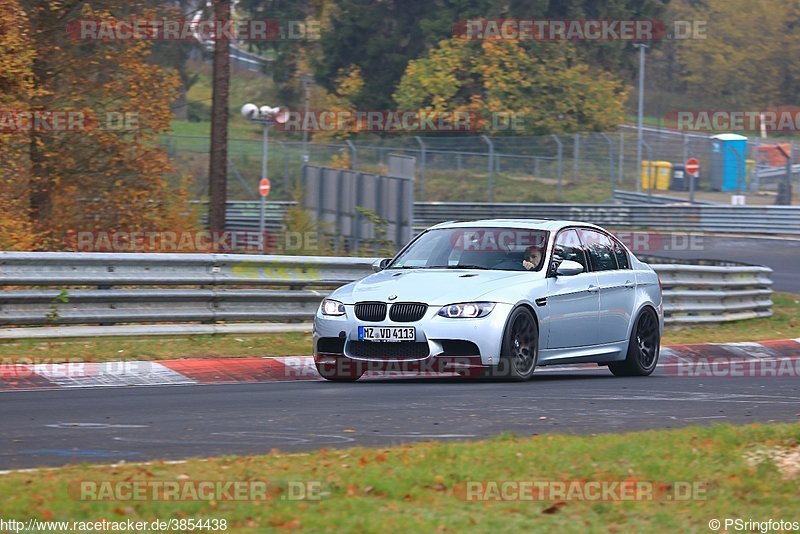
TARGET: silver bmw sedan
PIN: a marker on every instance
(496, 298)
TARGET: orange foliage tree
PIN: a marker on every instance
(16, 91)
(108, 174)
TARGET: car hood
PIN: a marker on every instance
(431, 286)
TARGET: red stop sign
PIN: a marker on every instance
(264, 187)
(692, 166)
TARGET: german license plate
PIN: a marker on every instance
(386, 333)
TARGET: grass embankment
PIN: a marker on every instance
(784, 324)
(735, 472)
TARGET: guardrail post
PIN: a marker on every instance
(610, 164)
(576, 154)
(285, 168)
(353, 155)
(490, 178)
(422, 165)
(686, 175)
(357, 214)
(339, 208)
(755, 176)
(649, 171)
(621, 162)
(793, 158)
(560, 164)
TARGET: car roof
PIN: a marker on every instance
(527, 224)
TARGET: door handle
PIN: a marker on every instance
(629, 284)
(594, 289)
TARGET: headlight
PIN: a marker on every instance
(467, 310)
(332, 307)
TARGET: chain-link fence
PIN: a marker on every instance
(580, 168)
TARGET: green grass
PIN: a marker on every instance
(423, 487)
(468, 186)
(784, 324)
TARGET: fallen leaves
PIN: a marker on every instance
(555, 507)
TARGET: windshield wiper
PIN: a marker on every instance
(481, 267)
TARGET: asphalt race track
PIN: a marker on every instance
(106, 425)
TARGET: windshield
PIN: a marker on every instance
(502, 249)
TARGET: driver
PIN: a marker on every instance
(532, 258)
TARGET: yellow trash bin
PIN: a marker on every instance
(656, 175)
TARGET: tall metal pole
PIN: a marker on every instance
(640, 119)
(306, 82)
(263, 207)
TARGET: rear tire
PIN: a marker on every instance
(644, 347)
(520, 348)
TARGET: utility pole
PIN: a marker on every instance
(640, 119)
(218, 152)
(307, 80)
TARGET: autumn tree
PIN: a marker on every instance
(544, 86)
(16, 92)
(380, 38)
(110, 174)
(747, 56)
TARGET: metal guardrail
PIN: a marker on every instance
(696, 294)
(630, 198)
(107, 270)
(692, 218)
(696, 218)
(776, 172)
(86, 288)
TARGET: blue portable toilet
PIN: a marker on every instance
(728, 167)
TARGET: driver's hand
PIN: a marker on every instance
(528, 265)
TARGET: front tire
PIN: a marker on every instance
(341, 371)
(644, 347)
(520, 348)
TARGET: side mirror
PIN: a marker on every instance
(569, 268)
(379, 265)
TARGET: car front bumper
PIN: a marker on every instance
(440, 341)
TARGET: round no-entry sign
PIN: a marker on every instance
(264, 187)
(692, 166)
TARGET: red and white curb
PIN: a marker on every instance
(26, 376)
